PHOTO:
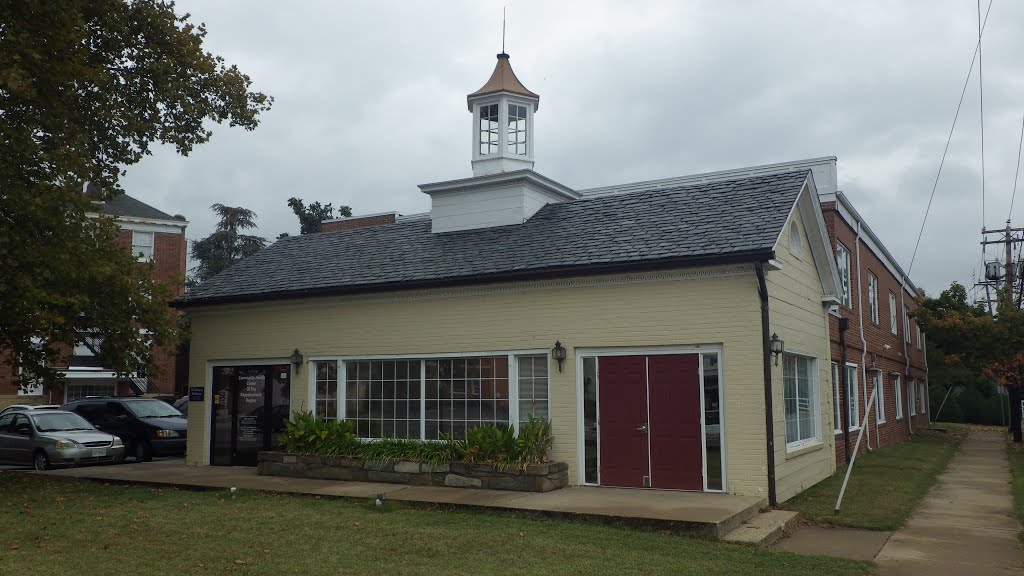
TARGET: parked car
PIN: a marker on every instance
(182, 405)
(147, 426)
(29, 407)
(47, 438)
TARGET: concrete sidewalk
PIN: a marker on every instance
(708, 514)
(966, 523)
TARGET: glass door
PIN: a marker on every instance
(249, 410)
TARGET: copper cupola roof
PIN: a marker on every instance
(503, 79)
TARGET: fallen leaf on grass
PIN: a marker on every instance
(13, 545)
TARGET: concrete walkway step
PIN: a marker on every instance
(765, 528)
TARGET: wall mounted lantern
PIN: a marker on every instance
(558, 353)
(296, 359)
(776, 345)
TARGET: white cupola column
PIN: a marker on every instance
(502, 135)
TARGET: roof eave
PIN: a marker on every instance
(762, 255)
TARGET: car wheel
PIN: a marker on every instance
(143, 453)
(41, 461)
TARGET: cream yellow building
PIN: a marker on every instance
(666, 301)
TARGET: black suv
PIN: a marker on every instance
(147, 426)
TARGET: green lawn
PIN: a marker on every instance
(55, 526)
(1016, 454)
(886, 484)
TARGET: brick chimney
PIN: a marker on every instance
(367, 221)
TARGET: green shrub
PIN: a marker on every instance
(490, 444)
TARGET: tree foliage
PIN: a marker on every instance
(975, 345)
(311, 217)
(86, 88)
(226, 246)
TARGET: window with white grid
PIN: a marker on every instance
(326, 389)
(800, 399)
(533, 387)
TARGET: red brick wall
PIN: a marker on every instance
(880, 348)
(358, 222)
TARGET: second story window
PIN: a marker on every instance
(906, 326)
(843, 262)
(142, 246)
(892, 313)
(489, 129)
(517, 129)
(873, 297)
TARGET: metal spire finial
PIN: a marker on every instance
(502, 29)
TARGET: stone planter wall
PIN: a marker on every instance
(536, 478)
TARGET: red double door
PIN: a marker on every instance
(650, 421)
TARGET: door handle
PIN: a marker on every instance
(641, 428)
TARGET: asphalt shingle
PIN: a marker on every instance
(125, 205)
(728, 219)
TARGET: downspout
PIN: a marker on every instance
(769, 412)
(906, 358)
(863, 345)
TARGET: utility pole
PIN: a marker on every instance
(1009, 238)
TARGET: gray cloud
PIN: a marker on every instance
(370, 102)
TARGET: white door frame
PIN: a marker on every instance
(649, 351)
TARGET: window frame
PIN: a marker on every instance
(906, 325)
(878, 381)
(511, 142)
(837, 415)
(873, 297)
(796, 243)
(512, 356)
(898, 395)
(918, 328)
(923, 393)
(813, 401)
(854, 397)
(493, 146)
(912, 399)
(893, 311)
(143, 252)
(845, 278)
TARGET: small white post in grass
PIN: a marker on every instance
(856, 448)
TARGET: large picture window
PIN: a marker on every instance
(465, 393)
(431, 398)
(799, 397)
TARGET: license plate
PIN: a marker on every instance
(99, 452)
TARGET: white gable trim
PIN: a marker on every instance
(817, 239)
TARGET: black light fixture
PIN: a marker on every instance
(296, 359)
(558, 353)
(776, 345)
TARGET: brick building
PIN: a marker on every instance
(154, 236)
(884, 347)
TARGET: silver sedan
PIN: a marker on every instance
(50, 438)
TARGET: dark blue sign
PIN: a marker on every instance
(196, 394)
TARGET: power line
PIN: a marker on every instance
(942, 162)
(981, 119)
(1017, 173)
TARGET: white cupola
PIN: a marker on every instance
(504, 189)
(502, 122)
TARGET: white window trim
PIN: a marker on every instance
(855, 399)
(837, 416)
(893, 311)
(796, 245)
(513, 378)
(906, 325)
(878, 380)
(918, 327)
(815, 402)
(142, 255)
(873, 297)
(897, 392)
(923, 393)
(845, 279)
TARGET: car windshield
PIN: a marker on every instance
(152, 409)
(60, 422)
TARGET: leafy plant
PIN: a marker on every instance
(535, 440)
(305, 434)
(491, 443)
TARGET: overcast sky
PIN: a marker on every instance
(370, 102)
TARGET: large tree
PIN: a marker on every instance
(975, 343)
(311, 217)
(86, 88)
(227, 245)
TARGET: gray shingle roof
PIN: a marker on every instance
(736, 220)
(125, 205)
